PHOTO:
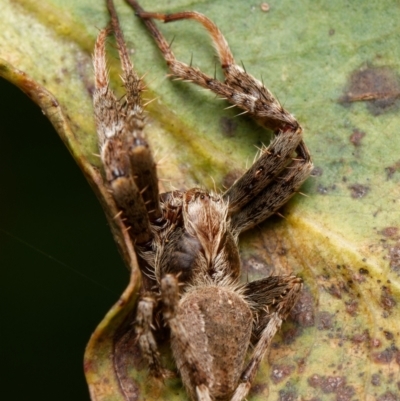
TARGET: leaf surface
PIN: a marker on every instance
(336, 66)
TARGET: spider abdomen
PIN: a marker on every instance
(219, 321)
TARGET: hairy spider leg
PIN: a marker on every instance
(129, 166)
(274, 297)
(276, 176)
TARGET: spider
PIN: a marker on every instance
(187, 241)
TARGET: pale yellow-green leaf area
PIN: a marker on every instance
(336, 67)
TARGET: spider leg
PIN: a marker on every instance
(270, 199)
(277, 174)
(250, 371)
(129, 166)
(239, 88)
(182, 70)
(143, 329)
(280, 293)
(270, 294)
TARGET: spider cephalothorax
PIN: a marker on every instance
(186, 241)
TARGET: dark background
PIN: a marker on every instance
(60, 270)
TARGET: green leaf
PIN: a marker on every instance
(336, 66)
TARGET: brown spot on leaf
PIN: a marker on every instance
(315, 381)
(376, 379)
(335, 291)
(321, 189)
(301, 365)
(351, 307)
(394, 256)
(281, 372)
(316, 172)
(84, 69)
(359, 278)
(387, 300)
(228, 126)
(345, 393)
(259, 388)
(388, 396)
(380, 86)
(356, 137)
(288, 395)
(256, 264)
(231, 177)
(358, 191)
(386, 356)
(390, 231)
(289, 335)
(392, 244)
(392, 169)
(303, 311)
(388, 335)
(324, 321)
(361, 337)
(333, 384)
(375, 343)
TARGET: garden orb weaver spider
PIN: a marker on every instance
(187, 241)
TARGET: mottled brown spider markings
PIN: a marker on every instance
(186, 241)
